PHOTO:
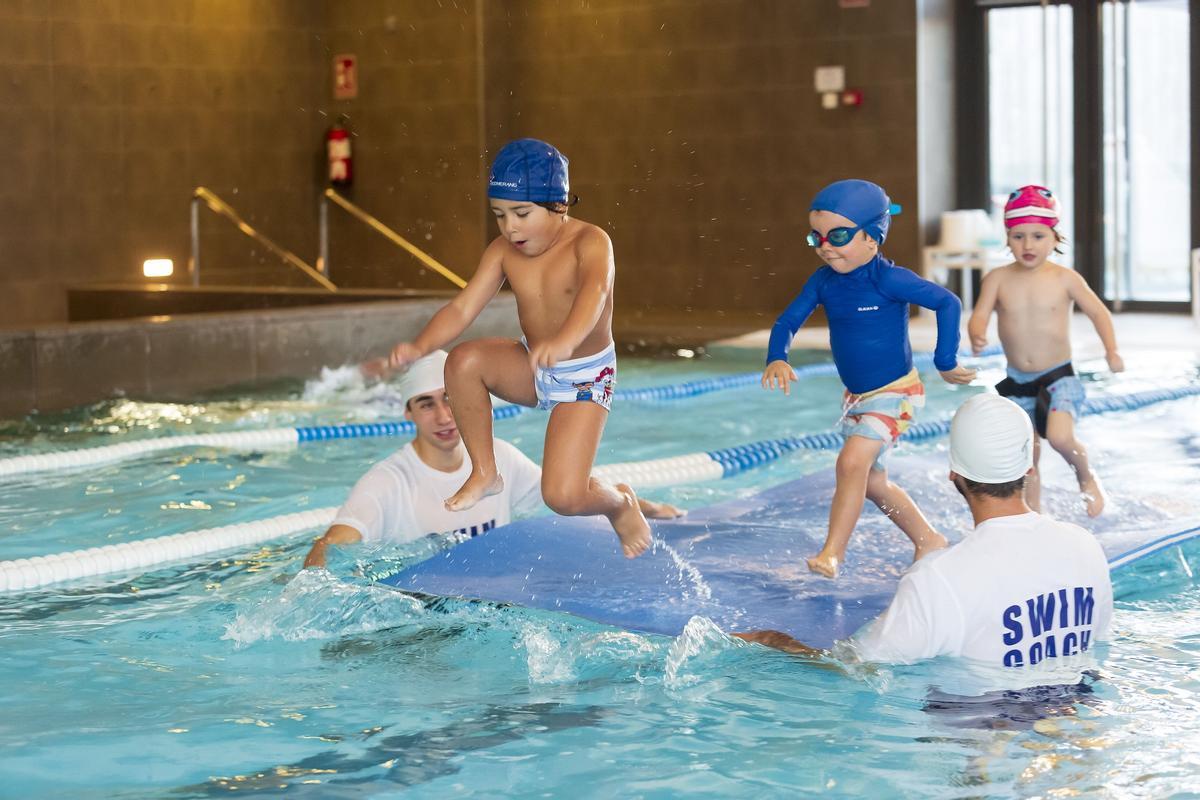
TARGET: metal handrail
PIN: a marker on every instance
(220, 207)
(388, 233)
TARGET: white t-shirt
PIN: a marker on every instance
(401, 498)
(1016, 592)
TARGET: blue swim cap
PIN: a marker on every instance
(862, 202)
(529, 169)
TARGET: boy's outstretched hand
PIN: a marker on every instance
(376, 368)
(404, 354)
(959, 375)
(779, 374)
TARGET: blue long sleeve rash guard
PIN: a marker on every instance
(868, 321)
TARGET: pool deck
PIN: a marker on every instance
(1135, 331)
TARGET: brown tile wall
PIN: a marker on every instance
(696, 137)
(693, 129)
(416, 141)
(114, 110)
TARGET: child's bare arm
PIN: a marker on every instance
(978, 323)
(596, 269)
(337, 534)
(1090, 304)
(453, 318)
(780, 641)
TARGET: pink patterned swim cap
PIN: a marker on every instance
(1031, 204)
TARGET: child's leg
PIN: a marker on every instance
(853, 464)
(1033, 483)
(900, 508)
(1060, 433)
(475, 368)
(568, 487)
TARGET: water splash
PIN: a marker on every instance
(568, 658)
(687, 572)
(343, 384)
(700, 641)
(544, 655)
(317, 605)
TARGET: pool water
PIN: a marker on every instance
(242, 674)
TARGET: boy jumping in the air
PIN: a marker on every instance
(561, 271)
(866, 298)
(1032, 298)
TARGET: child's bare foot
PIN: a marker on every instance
(929, 545)
(654, 510)
(477, 487)
(1093, 495)
(631, 527)
(824, 564)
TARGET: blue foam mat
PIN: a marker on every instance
(739, 563)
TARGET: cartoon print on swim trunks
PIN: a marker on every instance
(587, 389)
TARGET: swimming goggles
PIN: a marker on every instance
(838, 237)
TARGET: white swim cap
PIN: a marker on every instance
(991, 440)
(423, 376)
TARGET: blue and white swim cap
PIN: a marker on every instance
(531, 170)
(864, 203)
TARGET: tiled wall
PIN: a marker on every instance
(113, 110)
(416, 141)
(694, 133)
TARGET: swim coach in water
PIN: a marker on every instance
(1017, 591)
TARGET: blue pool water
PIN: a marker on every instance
(236, 674)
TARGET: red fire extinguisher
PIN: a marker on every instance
(337, 151)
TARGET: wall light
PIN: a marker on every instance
(158, 267)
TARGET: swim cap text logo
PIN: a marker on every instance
(868, 308)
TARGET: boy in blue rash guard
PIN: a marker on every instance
(866, 298)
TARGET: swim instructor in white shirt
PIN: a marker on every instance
(402, 497)
(1019, 590)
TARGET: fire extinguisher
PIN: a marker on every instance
(337, 151)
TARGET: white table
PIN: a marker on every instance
(966, 259)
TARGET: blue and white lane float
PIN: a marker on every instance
(31, 573)
(276, 438)
(270, 439)
(731, 460)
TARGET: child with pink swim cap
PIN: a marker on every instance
(1032, 298)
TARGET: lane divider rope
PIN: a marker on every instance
(286, 437)
(730, 461)
(31, 573)
(678, 391)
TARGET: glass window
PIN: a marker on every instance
(1030, 105)
(1147, 153)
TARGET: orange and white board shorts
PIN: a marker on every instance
(884, 413)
